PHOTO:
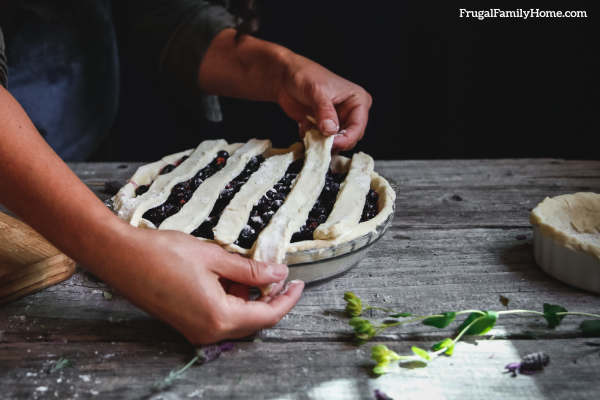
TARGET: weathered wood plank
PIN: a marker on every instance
(296, 371)
(460, 238)
(413, 270)
(442, 193)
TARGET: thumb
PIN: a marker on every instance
(248, 271)
(326, 114)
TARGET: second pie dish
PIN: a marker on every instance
(262, 202)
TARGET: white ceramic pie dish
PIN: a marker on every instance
(320, 264)
(335, 245)
(566, 239)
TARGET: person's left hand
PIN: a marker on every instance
(338, 105)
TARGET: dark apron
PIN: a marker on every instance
(63, 69)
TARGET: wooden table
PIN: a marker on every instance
(460, 239)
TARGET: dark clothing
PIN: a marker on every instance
(63, 66)
(2, 61)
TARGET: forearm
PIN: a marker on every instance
(39, 187)
(249, 68)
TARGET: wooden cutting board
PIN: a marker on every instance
(28, 262)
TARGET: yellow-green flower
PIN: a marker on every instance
(353, 304)
(383, 356)
(363, 329)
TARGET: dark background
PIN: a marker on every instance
(443, 87)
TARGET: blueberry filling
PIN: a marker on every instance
(268, 204)
(205, 229)
(370, 209)
(322, 208)
(170, 167)
(165, 170)
(183, 191)
(141, 189)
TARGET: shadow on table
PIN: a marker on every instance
(574, 360)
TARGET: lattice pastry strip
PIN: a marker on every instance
(272, 243)
(199, 206)
(236, 213)
(125, 200)
(161, 187)
(350, 200)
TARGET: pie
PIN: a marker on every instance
(572, 220)
(260, 201)
(566, 238)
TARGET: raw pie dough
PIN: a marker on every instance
(273, 242)
(572, 220)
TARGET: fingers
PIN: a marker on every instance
(247, 271)
(325, 113)
(251, 316)
(354, 117)
(239, 290)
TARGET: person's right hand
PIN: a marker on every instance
(179, 278)
(197, 287)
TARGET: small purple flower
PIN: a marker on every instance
(529, 364)
(212, 352)
(379, 395)
(513, 368)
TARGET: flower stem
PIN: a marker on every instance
(578, 313)
(466, 328)
(179, 372)
(408, 321)
(388, 310)
(505, 312)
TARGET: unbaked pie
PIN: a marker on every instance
(257, 200)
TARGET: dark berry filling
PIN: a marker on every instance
(170, 167)
(205, 229)
(141, 189)
(165, 170)
(183, 191)
(322, 208)
(268, 204)
(370, 209)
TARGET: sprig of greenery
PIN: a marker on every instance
(477, 323)
(60, 364)
(203, 355)
(174, 374)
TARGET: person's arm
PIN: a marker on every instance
(3, 68)
(191, 45)
(170, 274)
(255, 69)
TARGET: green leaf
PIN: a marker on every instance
(401, 315)
(590, 327)
(381, 369)
(550, 311)
(485, 322)
(441, 322)
(424, 354)
(60, 364)
(447, 343)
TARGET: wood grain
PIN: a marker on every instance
(28, 262)
(460, 239)
(299, 370)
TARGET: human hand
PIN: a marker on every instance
(199, 288)
(338, 105)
